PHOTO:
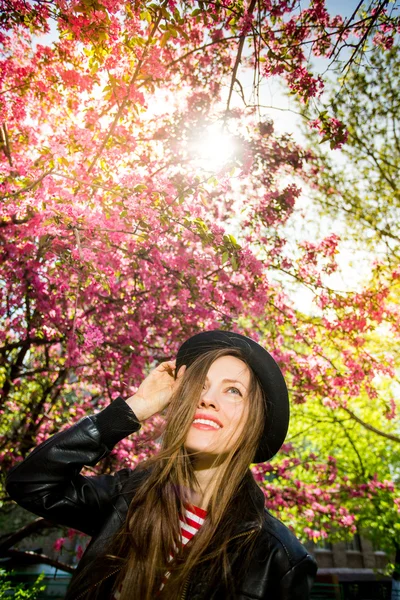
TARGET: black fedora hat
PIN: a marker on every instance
(268, 373)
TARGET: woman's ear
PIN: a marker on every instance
(180, 373)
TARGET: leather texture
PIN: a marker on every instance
(49, 484)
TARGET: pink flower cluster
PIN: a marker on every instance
(331, 129)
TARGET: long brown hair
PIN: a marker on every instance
(152, 528)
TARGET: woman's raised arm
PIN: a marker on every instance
(48, 482)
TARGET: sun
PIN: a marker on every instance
(213, 148)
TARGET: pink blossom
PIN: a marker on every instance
(93, 337)
(59, 544)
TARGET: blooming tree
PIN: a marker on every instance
(119, 239)
(358, 190)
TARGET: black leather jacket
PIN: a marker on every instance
(48, 483)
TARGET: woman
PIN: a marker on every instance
(227, 406)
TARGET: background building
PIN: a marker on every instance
(350, 571)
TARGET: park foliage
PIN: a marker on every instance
(118, 240)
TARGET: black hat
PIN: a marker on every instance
(268, 372)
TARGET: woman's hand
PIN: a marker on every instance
(154, 393)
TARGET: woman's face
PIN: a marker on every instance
(224, 404)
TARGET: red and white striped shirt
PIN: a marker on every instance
(190, 522)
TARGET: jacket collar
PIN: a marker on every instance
(255, 504)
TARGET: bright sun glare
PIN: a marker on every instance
(214, 148)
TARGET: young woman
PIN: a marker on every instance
(190, 522)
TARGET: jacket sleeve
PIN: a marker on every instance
(296, 584)
(48, 482)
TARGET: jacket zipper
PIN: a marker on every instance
(186, 584)
(98, 583)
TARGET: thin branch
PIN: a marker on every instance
(88, 183)
(346, 25)
(371, 154)
(31, 340)
(6, 143)
(36, 558)
(289, 439)
(23, 191)
(388, 436)
(14, 87)
(241, 91)
(360, 44)
(238, 57)
(295, 112)
(199, 49)
(340, 422)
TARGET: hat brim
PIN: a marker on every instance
(268, 372)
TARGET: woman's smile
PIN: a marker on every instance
(206, 421)
(205, 426)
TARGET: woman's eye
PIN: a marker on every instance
(236, 390)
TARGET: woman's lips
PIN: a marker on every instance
(204, 426)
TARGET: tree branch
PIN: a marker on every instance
(360, 44)
(388, 436)
(34, 558)
(239, 56)
(9, 540)
(22, 191)
(346, 25)
(340, 422)
(15, 369)
(36, 341)
(5, 142)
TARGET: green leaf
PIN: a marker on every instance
(234, 262)
(140, 187)
(165, 37)
(145, 16)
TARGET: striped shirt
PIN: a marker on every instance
(190, 522)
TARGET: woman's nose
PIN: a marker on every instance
(208, 399)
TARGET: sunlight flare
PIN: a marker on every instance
(214, 148)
